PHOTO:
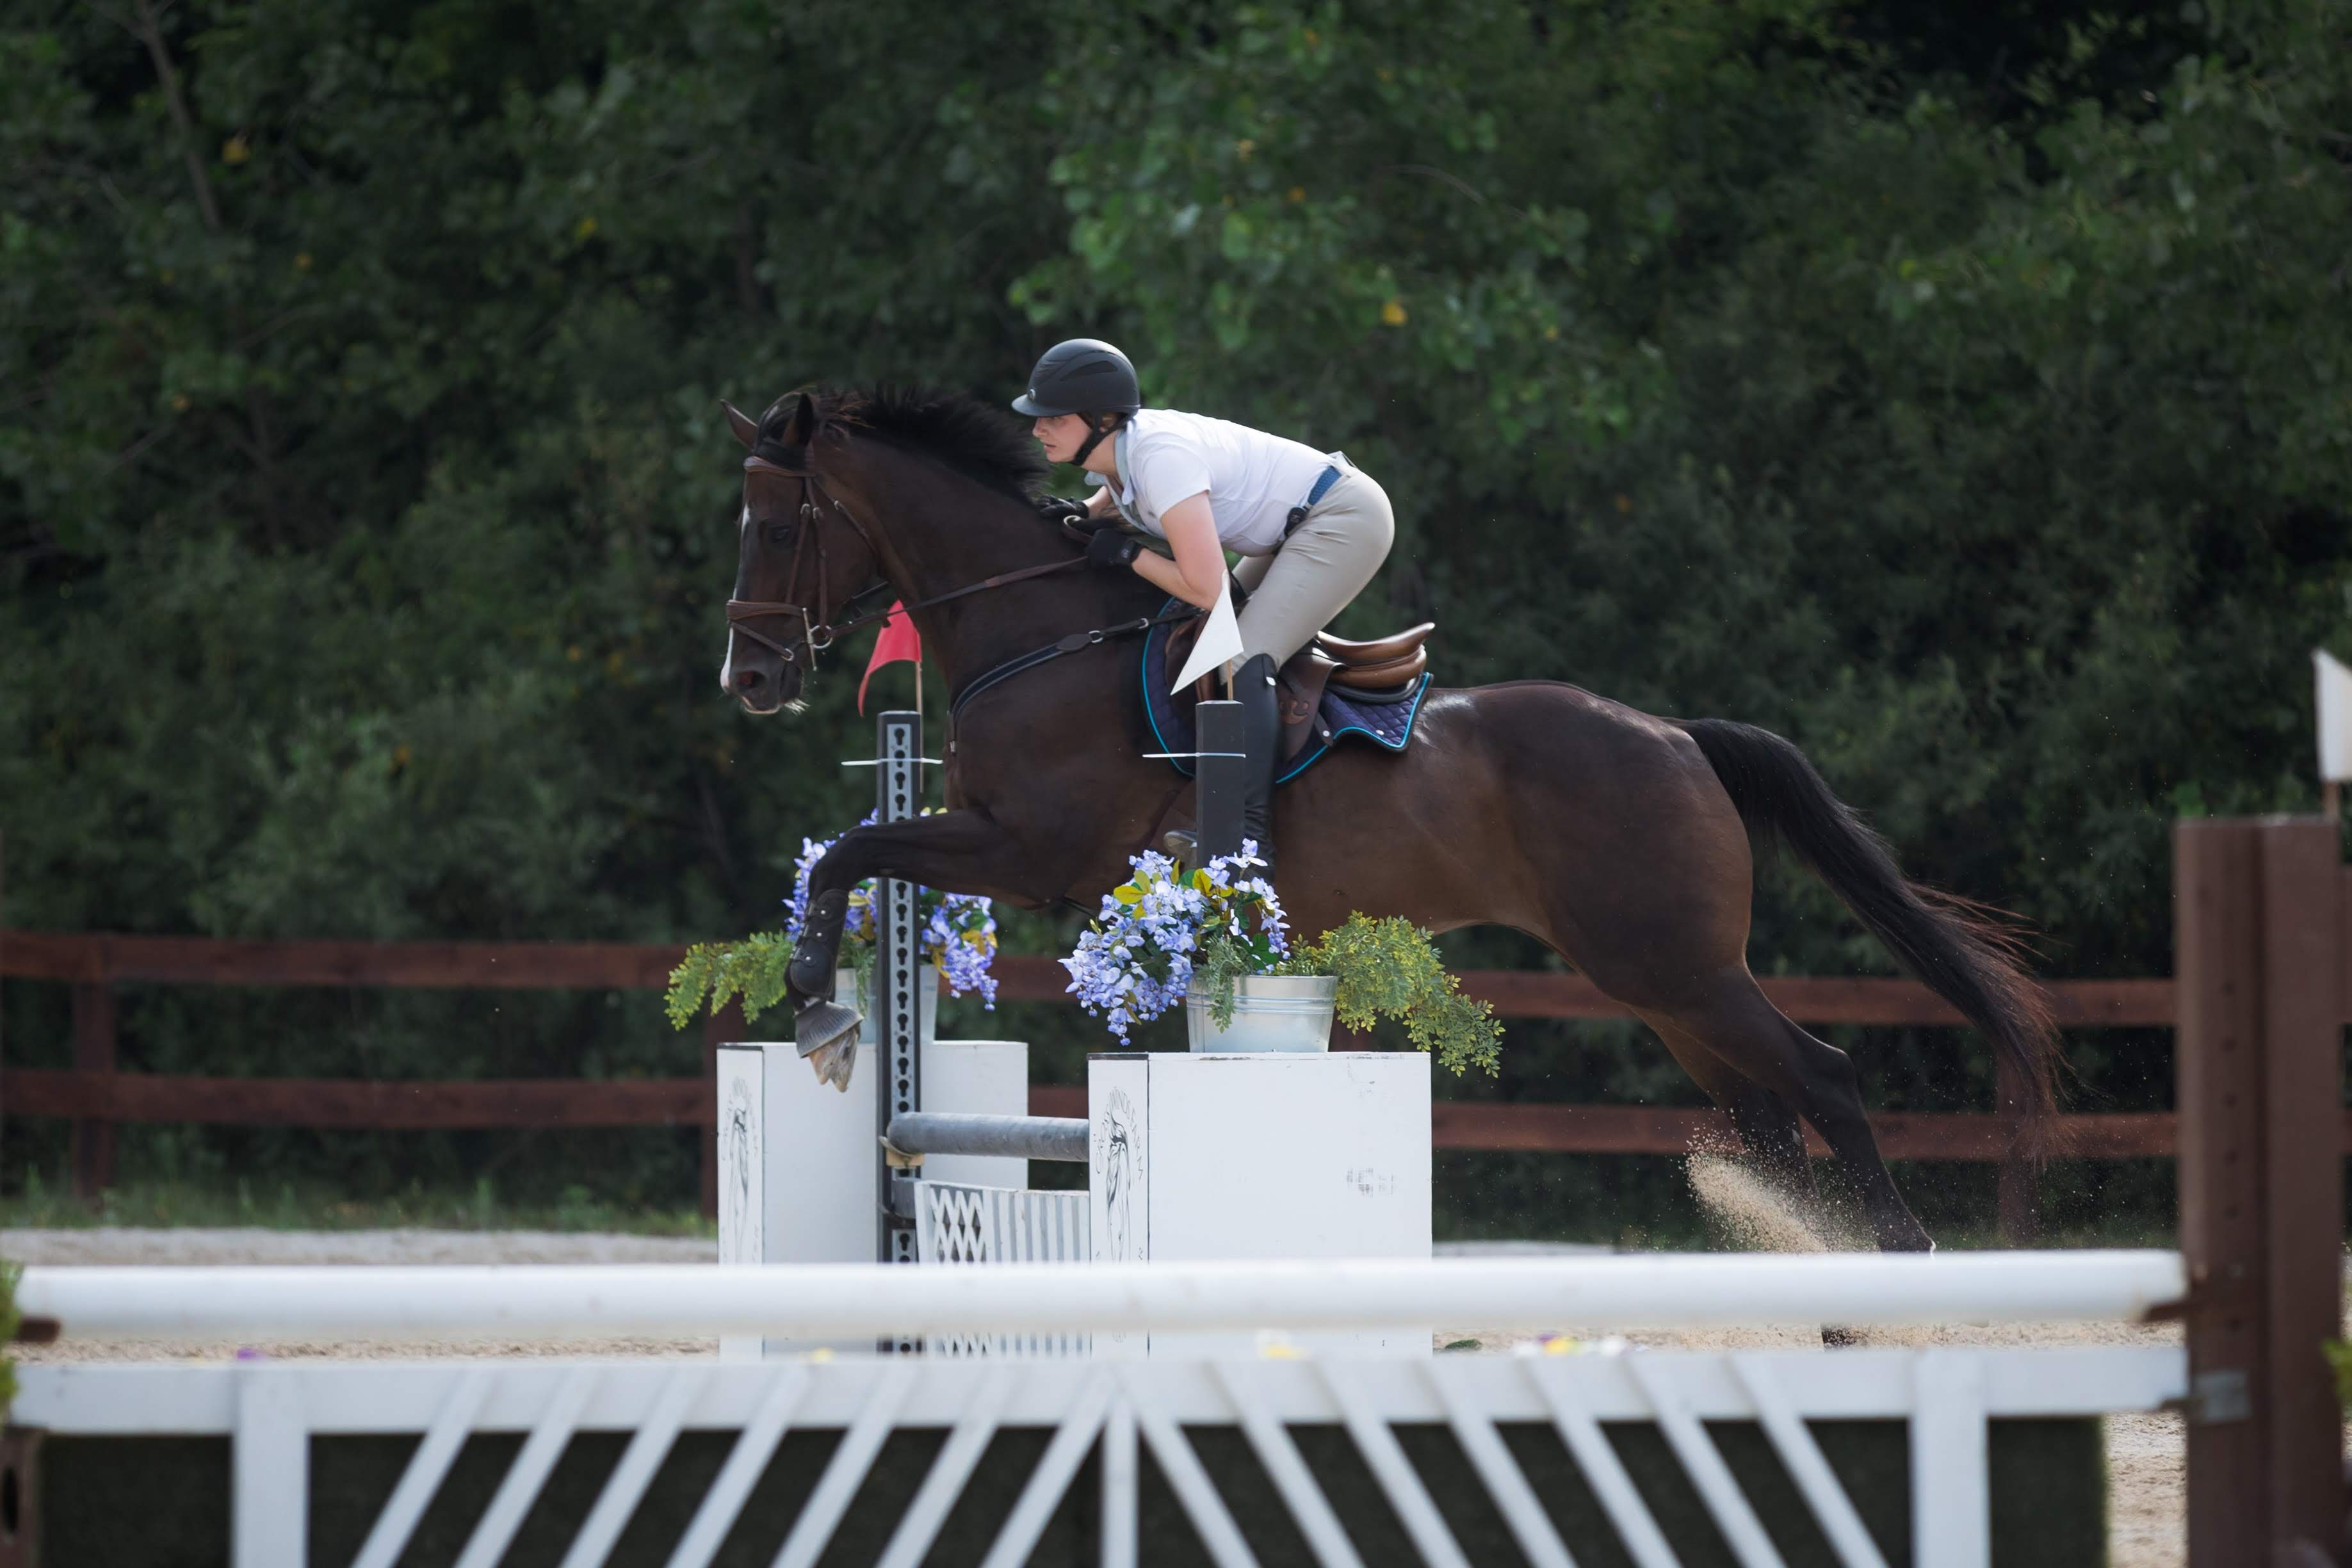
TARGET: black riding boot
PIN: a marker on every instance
(1261, 702)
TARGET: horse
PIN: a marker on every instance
(1622, 840)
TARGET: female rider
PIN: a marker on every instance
(1311, 528)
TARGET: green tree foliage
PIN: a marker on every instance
(1966, 393)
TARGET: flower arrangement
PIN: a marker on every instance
(959, 935)
(1163, 935)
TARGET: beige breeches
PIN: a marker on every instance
(1295, 591)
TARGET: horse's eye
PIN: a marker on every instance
(780, 533)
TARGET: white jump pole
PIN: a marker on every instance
(866, 1301)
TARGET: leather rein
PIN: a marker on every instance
(816, 634)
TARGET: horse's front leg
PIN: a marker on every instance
(955, 852)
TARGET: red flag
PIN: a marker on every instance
(899, 640)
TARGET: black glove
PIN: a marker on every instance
(1060, 509)
(1112, 550)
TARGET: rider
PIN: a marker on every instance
(1310, 526)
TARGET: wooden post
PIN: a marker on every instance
(2257, 940)
(2217, 954)
(93, 1052)
(2020, 1203)
(725, 1027)
(2303, 1098)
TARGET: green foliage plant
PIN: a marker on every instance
(715, 973)
(1390, 969)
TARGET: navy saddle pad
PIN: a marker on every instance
(1387, 722)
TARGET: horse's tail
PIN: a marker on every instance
(1966, 953)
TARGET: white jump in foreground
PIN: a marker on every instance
(847, 1300)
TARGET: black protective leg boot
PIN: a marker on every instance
(1261, 702)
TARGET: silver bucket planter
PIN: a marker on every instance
(845, 989)
(1271, 1013)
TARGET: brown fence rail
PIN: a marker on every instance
(97, 1097)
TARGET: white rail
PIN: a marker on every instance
(850, 1300)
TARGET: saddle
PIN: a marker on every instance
(1383, 669)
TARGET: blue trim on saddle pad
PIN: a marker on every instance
(1387, 725)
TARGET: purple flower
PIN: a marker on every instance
(1137, 958)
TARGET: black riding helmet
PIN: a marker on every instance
(1082, 375)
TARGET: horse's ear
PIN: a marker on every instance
(746, 428)
(804, 427)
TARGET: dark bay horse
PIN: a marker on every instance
(1620, 839)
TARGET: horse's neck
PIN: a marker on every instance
(950, 534)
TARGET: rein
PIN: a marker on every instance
(1073, 644)
(817, 635)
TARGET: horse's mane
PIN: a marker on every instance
(967, 434)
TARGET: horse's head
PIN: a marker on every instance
(803, 559)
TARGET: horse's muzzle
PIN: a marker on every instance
(765, 691)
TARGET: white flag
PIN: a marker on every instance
(1219, 641)
(2334, 719)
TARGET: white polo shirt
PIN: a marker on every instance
(1251, 479)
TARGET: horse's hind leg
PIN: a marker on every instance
(1769, 1127)
(1734, 1021)
(1769, 1132)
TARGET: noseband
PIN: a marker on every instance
(816, 634)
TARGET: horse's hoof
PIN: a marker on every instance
(825, 1034)
(1181, 847)
(1834, 1338)
(835, 1062)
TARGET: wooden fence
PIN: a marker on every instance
(97, 1096)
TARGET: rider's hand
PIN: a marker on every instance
(1112, 550)
(1061, 509)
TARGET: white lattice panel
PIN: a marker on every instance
(958, 1224)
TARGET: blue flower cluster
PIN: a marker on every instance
(961, 937)
(1138, 957)
(959, 931)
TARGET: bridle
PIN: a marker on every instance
(816, 635)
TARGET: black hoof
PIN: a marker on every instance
(1834, 1338)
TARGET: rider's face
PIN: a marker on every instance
(1061, 435)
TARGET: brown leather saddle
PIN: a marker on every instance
(1380, 667)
